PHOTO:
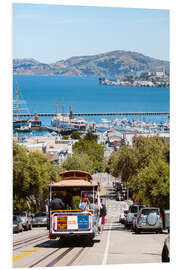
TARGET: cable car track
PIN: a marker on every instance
(42, 259)
(61, 254)
(75, 257)
(22, 242)
(59, 257)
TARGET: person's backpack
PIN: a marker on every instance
(104, 210)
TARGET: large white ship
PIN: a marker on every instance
(67, 123)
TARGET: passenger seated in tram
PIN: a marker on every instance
(84, 203)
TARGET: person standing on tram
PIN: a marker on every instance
(95, 216)
(56, 203)
(102, 216)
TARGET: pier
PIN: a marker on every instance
(94, 114)
(123, 125)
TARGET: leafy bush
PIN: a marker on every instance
(144, 168)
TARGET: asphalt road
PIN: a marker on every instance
(115, 245)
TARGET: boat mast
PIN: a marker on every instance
(56, 113)
(17, 108)
(63, 113)
(70, 114)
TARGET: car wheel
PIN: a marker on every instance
(128, 226)
(137, 231)
(165, 254)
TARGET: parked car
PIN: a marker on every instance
(26, 220)
(123, 216)
(40, 219)
(166, 220)
(133, 211)
(135, 217)
(149, 219)
(17, 224)
(118, 187)
(134, 222)
(119, 196)
(166, 250)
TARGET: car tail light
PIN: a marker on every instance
(160, 216)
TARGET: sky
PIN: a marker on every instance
(50, 33)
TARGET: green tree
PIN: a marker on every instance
(32, 173)
(90, 136)
(150, 185)
(75, 135)
(144, 168)
(79, 162)
(41, 173)
(21, 179)
(149, 149)
(93, 150)
(65, 137)
(123, 163)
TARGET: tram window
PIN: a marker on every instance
(78, 174)
(69, 174)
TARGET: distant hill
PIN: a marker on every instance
(110, 64)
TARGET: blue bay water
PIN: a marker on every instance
(86, 95)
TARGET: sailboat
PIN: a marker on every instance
(67, 124)
(23, 124)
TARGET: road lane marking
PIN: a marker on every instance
(107, 246)
(20, 256)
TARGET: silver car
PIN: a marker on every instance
(40, 219)
(149, 219)
(133, 211)
(26, 220)
(123, 216)
(17, 224)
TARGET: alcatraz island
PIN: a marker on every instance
(145, 79)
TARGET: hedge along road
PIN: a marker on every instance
(114, 246)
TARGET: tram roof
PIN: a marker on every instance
(75, 178)
(76, 174)
(73, 183)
